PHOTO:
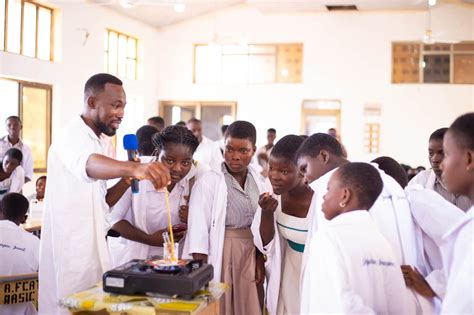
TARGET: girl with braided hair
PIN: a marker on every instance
(142, 218)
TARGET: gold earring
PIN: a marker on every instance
(342, 204)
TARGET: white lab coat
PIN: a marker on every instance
(427, 179)
(355, 270)
(73, 252)
(136, 208)
(315, 215)
(458, 252)
(274, 251)
(433, 216)
(209, 153)
(36, 209)
(14, 183)
(207, 212)
(391, 214)
(221, 144)
(19, 252)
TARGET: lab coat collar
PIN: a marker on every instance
(354, 217)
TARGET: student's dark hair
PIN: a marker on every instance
(40, 178)
(181, 123)
(144, 137)
(193, 120)
(242, 129)
(224, 128)
(405, 167)
(175, 135)
(438, 134)
(463, 131)
(14, 206)
(287, 147)
(317, 142)
(272, 130)
(14, 153)
(97, 82)
(13, 117)
(364, 180)
(393, 169)
(157, 120)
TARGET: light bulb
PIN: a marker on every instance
(432, 2)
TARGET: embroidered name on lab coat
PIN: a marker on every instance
(380, 262)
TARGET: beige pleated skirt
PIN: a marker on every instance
(238, 272)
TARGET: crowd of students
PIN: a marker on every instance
(305, 231)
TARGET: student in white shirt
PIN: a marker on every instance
(267, 148)
(12, 140)
(458, 245)
(37, 199)
(142, 218)
(221, 210)
(433, 216)
(208, 151)
(40, 188)
(355, 270)
(432, 179)
(280, 227)
(318, 157)
(19, 250)
(73, 251)
(263, 153)
(12, 176)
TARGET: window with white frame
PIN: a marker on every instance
(26, 28)
(121, 54)
(416, 62)
(32, 103)
(248, 64)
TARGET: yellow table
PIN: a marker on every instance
(96, 301)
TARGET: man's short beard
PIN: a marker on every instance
(104, 129)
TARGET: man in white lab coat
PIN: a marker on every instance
(318, 157)
(19, 250)
(73, 252)
(208, 151)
